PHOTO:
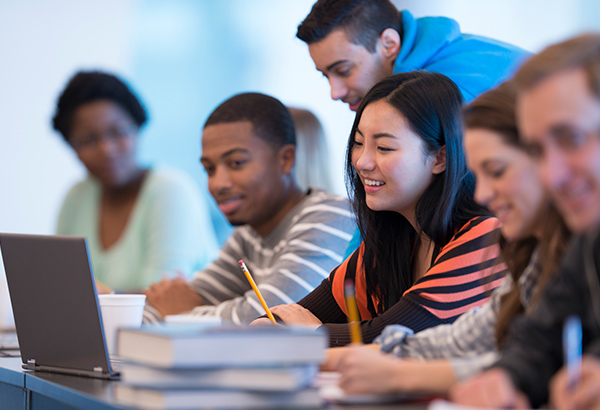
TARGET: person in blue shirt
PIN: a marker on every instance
(356, 43)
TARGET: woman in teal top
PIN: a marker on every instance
(141, 224)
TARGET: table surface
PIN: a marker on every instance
(11, 371)
(89, 393)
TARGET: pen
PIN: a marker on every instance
(353, 318)
(258, 295)
(572, 350)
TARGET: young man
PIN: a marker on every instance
(558, 109)
(289, 239)
(356, 43)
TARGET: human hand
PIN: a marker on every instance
(365, 370)
(261, 321)
(294, 314)
(492, 388)
(586, 395)
(333, 355)
(172, 297)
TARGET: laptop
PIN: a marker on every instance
(55, 305)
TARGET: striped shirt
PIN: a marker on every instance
(286, 264)
(470, 342)
(462, 276)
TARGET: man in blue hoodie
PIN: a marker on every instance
(356, 43)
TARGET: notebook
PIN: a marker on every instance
(55, 306)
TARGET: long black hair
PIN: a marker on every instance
(432, 105)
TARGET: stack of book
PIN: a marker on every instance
(195, 366)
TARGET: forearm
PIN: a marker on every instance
(366, 372)
(333, 355)
(472, 333)
(432, 376)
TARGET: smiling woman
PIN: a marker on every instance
(429, 251)
(534, 240)
(140, 223)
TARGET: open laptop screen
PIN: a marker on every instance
(55, 305)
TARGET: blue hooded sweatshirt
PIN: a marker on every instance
(476, 64)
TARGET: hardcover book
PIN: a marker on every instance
(179, 345)
(288, 378)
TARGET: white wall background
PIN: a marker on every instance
(43, 43)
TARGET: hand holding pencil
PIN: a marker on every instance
(290, 314)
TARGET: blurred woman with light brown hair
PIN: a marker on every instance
(312, 154)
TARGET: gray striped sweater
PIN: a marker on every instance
(286, 264)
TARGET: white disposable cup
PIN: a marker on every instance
(120, 311)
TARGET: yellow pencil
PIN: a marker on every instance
(353, 318)
(258, 295)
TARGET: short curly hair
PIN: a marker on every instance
(89, 86)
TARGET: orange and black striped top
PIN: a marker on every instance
(461, 277)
